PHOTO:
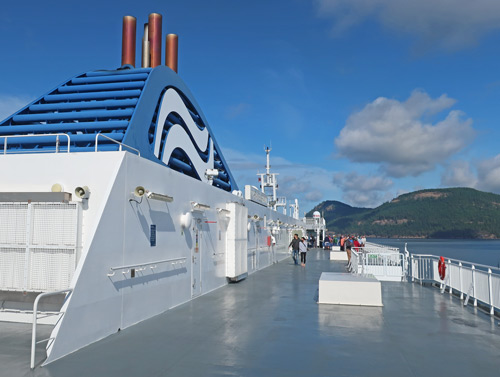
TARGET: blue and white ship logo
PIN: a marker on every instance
(188, 138)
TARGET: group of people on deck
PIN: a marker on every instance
(347, 243)
(299, 246)
(333, 240)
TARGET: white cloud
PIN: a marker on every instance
(459, 174)
(11, 104)
(449, 24)
(488, 174)
(235, 111)
(483, 175)
(309, 184)
(395, 134)
(242, 162)
(363, 191)
(314, 196)
(400, 192)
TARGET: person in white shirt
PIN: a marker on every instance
(303, 251)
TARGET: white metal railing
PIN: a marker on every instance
(374, 247)
(356, 265)
(114, 141)
(35, 317)
(383, 264)
(310, 222)
(472, 280)
(58, 143)
(281, 201)
(138, 267)
(6, 137)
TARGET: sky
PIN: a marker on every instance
(360, 100)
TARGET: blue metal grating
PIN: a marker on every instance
(94, 102)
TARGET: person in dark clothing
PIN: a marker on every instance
(348, 246)
(295, 247)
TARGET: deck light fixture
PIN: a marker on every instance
(160, 197)
(199, 207)
(140, 191)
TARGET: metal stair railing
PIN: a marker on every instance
(35, 317)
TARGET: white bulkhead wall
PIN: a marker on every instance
(116, 232)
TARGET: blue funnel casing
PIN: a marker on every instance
(148, 109)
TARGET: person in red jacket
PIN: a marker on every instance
(357, 245)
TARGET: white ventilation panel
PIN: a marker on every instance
(39, 245)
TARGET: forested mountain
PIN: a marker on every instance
(432, 213)
(337, 209)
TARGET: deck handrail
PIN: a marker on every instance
(127, 267)
(461, 277)
(457, 261)
(35, 313)
(382, 264)
(380, 246)
(6, 137)
(114, 141)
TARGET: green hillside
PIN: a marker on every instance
(337, 209)
(433, 213)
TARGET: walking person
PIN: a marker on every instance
(348, 246)
(295, 248)
(303, 252)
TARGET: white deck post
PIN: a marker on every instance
(449, 274)
(412, 272)
(460, 280)
(490, 288)
(474, 284)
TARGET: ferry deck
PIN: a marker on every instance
(271, 325)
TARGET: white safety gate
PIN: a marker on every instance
(39, 245)
(386, 263)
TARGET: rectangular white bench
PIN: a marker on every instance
(347, 289)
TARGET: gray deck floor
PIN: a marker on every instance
(271, 325)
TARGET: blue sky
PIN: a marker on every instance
(362, 100)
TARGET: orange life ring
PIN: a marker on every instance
(442, 268)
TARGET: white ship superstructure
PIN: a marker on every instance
(116, 205)
(116, 199)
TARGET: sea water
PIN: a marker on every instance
(486, 252)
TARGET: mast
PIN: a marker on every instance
(269, 179)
